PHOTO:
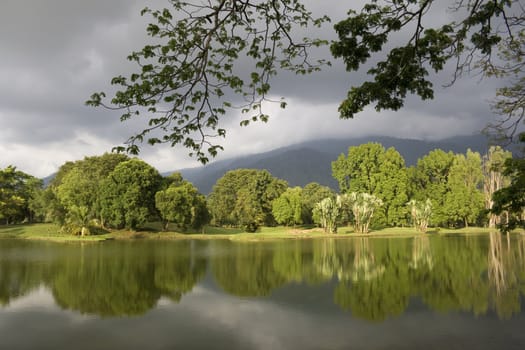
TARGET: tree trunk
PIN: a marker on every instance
(492, 221)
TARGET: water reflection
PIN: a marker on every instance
(19, 273)
(106, 280)
(246, 269)
(506, 275)
(369, 278)
(421, 253)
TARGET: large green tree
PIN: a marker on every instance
(244, 197)
(369, 168)
(312, 194)
(357, 172)
(392, 188)
(47, 207)
(464, 200)
(223, 198)
(188, 76)
(183, 205)
(17, 189)
(78, 185)
(253, 207)
(287, 209)
(429, 180)
(127, 197)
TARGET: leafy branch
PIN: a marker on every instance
(469, 42)
(194, 74)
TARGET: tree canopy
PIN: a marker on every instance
(127, 197)
(511, 199)
(194, 70)
(464, 199)
(182, 204)
(244, 197)
(288, 208)
(429, 180)
(17, 189)
(369, 168)
(73, 196)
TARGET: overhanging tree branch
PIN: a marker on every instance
(191, 78)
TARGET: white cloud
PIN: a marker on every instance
(43, 160)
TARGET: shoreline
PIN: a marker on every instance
(50, 232)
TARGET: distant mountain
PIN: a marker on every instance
(46, 180)
(311, 161)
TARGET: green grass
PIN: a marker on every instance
(51, 232)
(48, 232)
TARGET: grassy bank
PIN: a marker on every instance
(51, 232)
(48, 232)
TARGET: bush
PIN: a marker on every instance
(251, 227)
(70, 228)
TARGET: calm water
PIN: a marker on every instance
(421, 293)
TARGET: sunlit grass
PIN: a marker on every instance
(51, 232)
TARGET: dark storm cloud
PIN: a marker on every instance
(55, 53)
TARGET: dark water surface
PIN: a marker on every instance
(456, 292)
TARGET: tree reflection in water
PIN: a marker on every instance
(365, 267)
(506, 275)
(246, 269)
(18, 276)
(372, 278)
(421, 253)
(372, 286)
(126, 281)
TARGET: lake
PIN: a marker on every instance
(428, 292)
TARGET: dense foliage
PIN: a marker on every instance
(510, 200)
(288, 208)
(369, 168)
(244, 197)
(182, 205)
(107, 191)
(377, 190)
(17, 190)
(127, 196)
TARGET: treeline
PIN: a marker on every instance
(376, 190)
(108, 191)
(443, 188)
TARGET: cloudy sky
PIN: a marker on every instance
(56, 53)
